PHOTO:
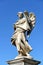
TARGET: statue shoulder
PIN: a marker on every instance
(23, 19)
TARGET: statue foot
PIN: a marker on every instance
(28, 56)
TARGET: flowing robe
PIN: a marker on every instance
(19, 37)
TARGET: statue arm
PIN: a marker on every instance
(14, 25)
(18, 23)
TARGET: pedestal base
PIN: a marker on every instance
(23, 61)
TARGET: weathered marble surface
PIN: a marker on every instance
(23, 27)
(23, 61)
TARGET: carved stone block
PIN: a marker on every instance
(23, 61)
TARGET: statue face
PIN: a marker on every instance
(20, 14)
(32, 17)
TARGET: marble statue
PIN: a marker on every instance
(22, 28)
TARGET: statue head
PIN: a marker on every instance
(20, 14)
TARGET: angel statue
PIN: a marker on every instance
(23, 28)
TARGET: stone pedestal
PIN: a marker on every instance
(23, 61)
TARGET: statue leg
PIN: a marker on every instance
(17, 45)
(23, 49)
(27, 46)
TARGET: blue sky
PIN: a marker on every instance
(8, 16)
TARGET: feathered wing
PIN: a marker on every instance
(31, 21)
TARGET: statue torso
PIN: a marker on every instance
(23, 24)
